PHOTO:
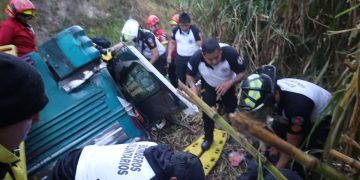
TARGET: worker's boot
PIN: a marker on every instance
(206, 145)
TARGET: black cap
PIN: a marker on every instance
(186, 166)
(166, 163)
(22, 92)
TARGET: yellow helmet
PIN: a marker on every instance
(174, 19)
(257, 89)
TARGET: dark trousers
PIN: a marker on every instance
(160, 64)
(209, 97)
(181, 66)
(172, 74)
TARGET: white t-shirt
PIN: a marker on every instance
(186, 42)
(122, 161)
(317, 94)
(229, 65)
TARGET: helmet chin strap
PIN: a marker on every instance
(258, 107)
(139, 34)
(20, 18)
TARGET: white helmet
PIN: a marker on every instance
(130, 30)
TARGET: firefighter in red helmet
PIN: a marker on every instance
(15, 29)
(153, 23)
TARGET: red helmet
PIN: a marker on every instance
(174, 20)
(20, 7)
(152, 20)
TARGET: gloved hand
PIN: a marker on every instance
(107, 56)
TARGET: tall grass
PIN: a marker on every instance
(234, 22)
(314, 40)
(291, 34)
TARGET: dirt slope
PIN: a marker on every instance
(98, 18)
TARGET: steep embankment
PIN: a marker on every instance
(98, 18)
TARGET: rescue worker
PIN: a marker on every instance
(22, 97)
(188, 39)
(140, 160)
(146, 42)
(15, 29)
(297, 104)
(153, 23)
(220, 69)
(174, 21)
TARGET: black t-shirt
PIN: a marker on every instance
(297, 109)
(148, 38)
(301, 103)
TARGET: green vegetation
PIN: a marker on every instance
(98, 18)
(313, 40)
(293, 35)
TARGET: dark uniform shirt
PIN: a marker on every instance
(230, 65)
(301, 103)
(147, 42)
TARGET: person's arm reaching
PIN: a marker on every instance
(191, 82)
(202, 38)
(237, 65)
(223, 87)
(298, 113)
(199, 37)
(192, 71)
(154, 55)
(117, 47)
(171, 45)
(294, 140)
(151, 42)
(170, 50)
